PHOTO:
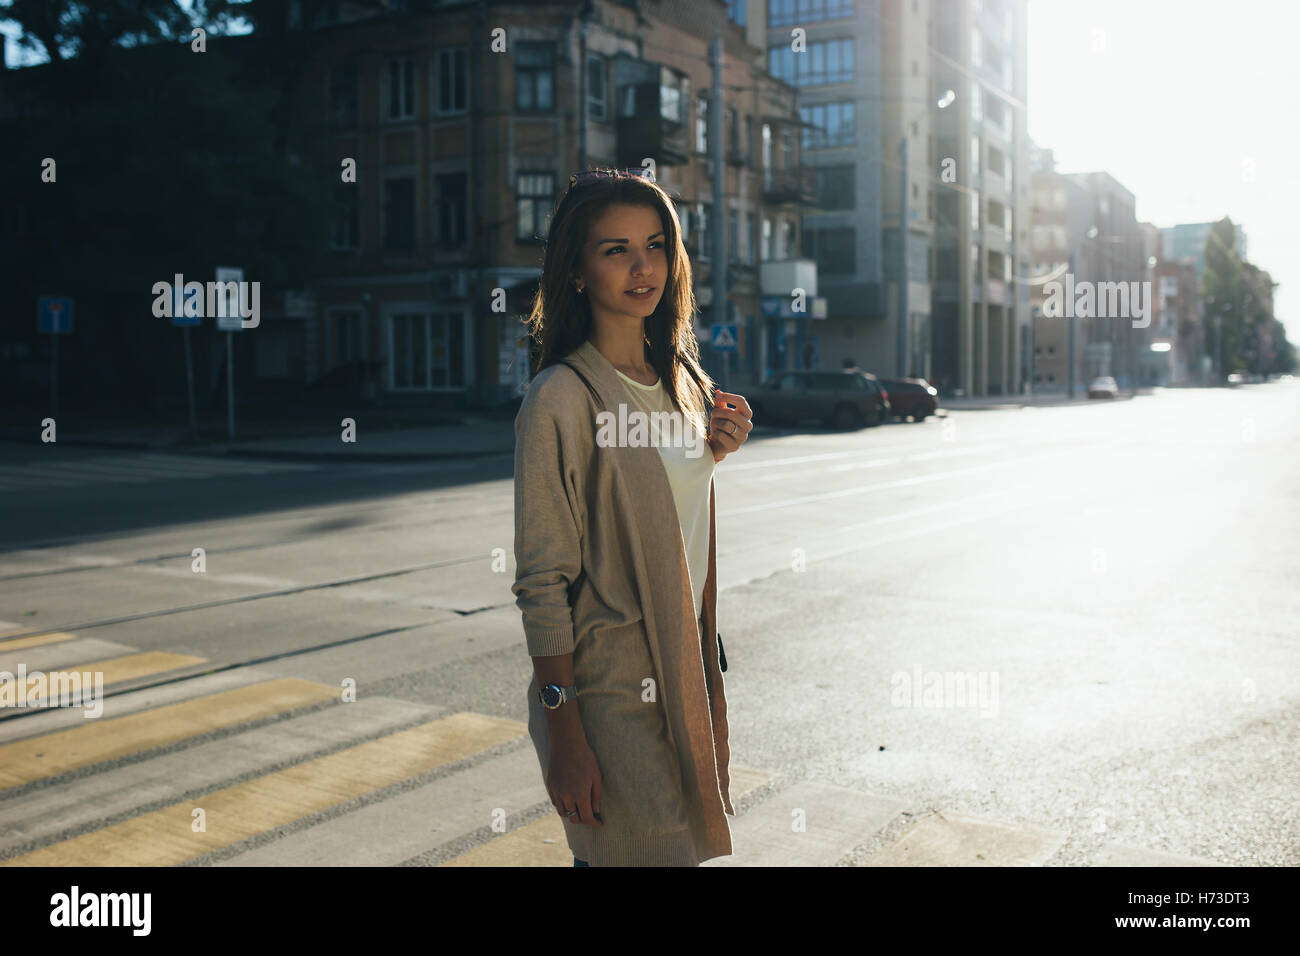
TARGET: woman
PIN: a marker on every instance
(615, 535)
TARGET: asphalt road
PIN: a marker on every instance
(1115, 583)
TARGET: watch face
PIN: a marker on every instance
(550, 695)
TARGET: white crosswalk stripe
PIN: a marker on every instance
(132, 469)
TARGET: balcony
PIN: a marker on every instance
(797, 185)
(780, 276)
(650, 113)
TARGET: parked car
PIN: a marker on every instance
(1239, 377)
(1104, 387)
(911, 396)
(849, 398)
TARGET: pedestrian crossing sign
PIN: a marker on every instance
(724, 337)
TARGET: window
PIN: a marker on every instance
(747, 239)
(450, 218)
(975, 273)
(994, 112)
(534, 76)
(787, 240)
(747, 144)
(674, 92)
(426, 350)
(918, 258)
(1007, 230)
(833, 249)
(704, 230)
(791, 383)
(787, 149)
(974, 210)
(736, 11)
(597, 95)
(828, 61)
(534, 194)
(836, 187)
(346, 217)
(834, 125)
(976, 47)
(401, 88)
(733, 237)
(733, 141)
(343, 95)
(974, 158)
(701, 124)
(766, 243)
(767, 148)
(784, 13)
(399, 215)
(452, 70)
(995, 161)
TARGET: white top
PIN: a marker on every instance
(688, 461)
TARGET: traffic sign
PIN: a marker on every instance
(233, 321)
(178, 308)
(724, 337)
(54, 314)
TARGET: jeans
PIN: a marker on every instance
(577, 862)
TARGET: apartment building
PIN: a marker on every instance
(980, 310)
(466, 120)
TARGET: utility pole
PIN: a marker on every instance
(903, 278)
(720, 311)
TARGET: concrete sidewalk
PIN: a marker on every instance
(465, 436)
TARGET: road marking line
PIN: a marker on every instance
(166, 837)
(35, 640)
(543, 843)
(96, 741)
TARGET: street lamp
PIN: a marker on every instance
(904, 219)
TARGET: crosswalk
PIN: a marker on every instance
(245, 767)
(132, 469)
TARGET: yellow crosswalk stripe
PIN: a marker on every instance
(542, 842)
(166, 837)
(35, 640)
(95, 741)
(131, 666)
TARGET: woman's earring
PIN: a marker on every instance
(580, 289)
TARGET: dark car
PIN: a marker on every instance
(911, 396)
(849, 398)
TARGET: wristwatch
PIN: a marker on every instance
(553, 695)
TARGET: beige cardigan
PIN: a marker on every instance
(601, 572)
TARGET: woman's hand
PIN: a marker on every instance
(725, 438)
(573, 780)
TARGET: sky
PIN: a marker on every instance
(1190, 104)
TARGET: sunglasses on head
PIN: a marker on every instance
(636, 172)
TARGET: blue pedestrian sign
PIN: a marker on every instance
(179, 301)
(723, 337)
(54, 314)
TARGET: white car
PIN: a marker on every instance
(1104, 387)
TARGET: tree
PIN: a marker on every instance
(1224, 286)
(66, 30)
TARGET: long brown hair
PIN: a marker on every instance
(561, 318)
